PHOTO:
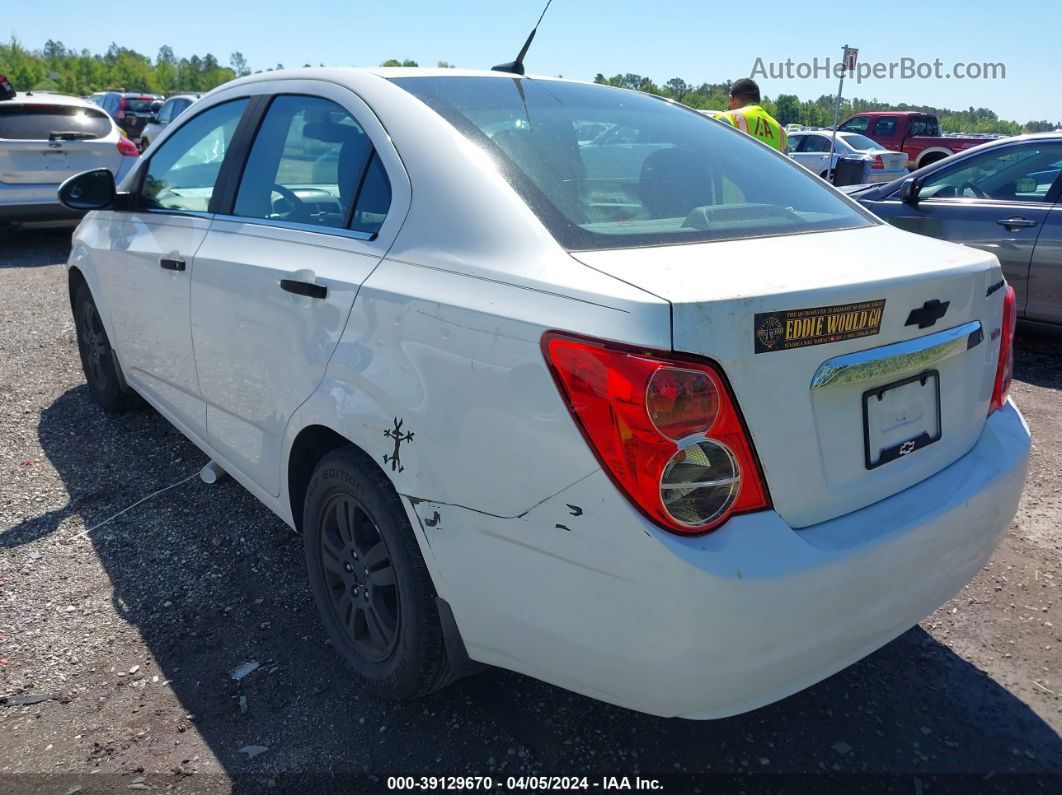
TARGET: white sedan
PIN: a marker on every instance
(635, 426)
(46, 138)
(812, 150)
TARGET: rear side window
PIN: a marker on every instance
(374, 200)
(20, 122)
(182, 173)
(660, 174)
(886, 126)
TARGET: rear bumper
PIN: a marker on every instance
(582, 592)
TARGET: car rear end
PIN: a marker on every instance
(45, 139)
(825, 454)
(882, 165)
(134, 112)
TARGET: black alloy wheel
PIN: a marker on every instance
(360, 577)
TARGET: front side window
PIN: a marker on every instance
(306, 165)
(671, 176)
(1023, 173)
(857, 125)
(182, 173)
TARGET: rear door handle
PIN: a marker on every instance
(309, 289)
(1016, 223)
(172, 264)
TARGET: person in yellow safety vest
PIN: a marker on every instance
(746, 114)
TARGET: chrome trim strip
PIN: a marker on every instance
(890, 361)
(321, 230)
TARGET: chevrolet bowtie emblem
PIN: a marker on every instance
(928, 314)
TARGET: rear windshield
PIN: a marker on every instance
(139, 105)
(861, 142)
(608, 168)
(39, 122)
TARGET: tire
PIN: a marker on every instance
(373, 591)
(98, 361)
(142, 145)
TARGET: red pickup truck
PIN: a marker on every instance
(917, 134)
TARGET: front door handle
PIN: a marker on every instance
(1016, 223)
(172, 264)
(309, 289)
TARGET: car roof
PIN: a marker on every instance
(354, 75)
(34, 98)
(894, 113)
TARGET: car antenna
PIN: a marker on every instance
(517, 67)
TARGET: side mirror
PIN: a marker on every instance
(909, 191)
(153, 118)
(89, 190)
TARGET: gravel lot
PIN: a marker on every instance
(131, 632)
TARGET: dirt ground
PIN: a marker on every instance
(117, 646)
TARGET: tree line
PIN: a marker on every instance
(790, 109)
(56, 67)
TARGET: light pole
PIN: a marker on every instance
(850, 55)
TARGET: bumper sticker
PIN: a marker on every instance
(799, 328)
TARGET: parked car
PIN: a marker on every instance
(812, 151)
(130, 110)
(167, 112)
(644, 438)
(45, 138)
(917, 134)
(1002, 197)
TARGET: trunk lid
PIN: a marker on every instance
(810, 328)
(894, 161)
(44, 162)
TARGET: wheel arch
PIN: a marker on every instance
(310, 445)
(74, 279)
(932, 156)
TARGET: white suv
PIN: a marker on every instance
(46, 138)
(669, 422)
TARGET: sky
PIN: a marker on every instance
(698, 41)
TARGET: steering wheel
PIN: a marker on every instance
(976, 191)
(299, 210)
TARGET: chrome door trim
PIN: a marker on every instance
(899, 358)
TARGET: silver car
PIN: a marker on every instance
(170, 110)
(812, 151)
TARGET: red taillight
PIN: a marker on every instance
(1005, 368)
(127, 147)
(665, 429)
(121, 109)
(878, 162)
